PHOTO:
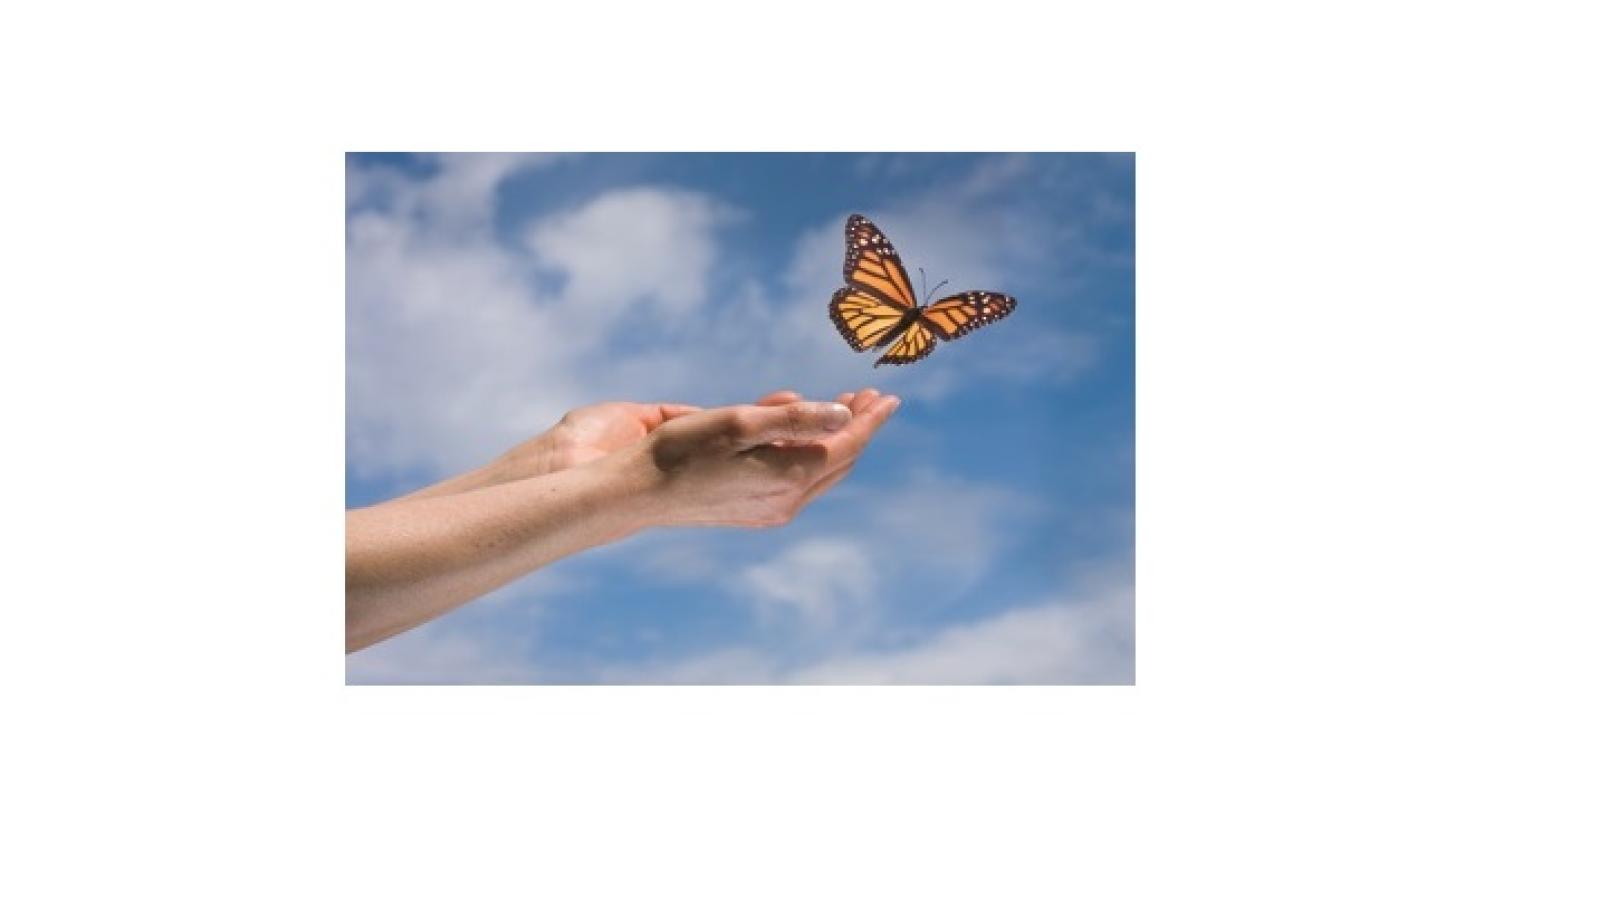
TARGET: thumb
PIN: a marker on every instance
(755, 425)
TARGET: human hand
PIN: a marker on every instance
(590, 432)
(583, 435)
(754, 465)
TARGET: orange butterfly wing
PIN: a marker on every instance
(872, 265)
(956, 315)
(863, 320)
(916, 343)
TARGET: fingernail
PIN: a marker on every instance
(834, 416)
(894, 403)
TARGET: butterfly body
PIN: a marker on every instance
(877, 307)
(893, 334)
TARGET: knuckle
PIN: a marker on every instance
(794, 420)
(743, 421)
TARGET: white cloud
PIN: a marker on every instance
(629, 246)
(930, 536)
(452, 353)
(990, 175)
(1082, 635)
(854, 564)
(1075, 638)
(447, 360)
(454, 201)
(815, 581)
(732, 665)
(1064, 642)
(436, 656)
(941, 524)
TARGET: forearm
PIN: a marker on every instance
(458, 484)
(406, 563)
(537, 457)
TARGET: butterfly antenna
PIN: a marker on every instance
(929, 294)
(924, 282)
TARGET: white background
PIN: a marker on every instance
(1366, 456)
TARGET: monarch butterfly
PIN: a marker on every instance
(877, 306)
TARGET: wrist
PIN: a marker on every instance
(636, 486)
(539, 456)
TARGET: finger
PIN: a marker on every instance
(846, 399)
(844, 447)
(756, 425)
(779, 398)
(864, 398)
(798, 463)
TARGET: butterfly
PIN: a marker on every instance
(877, 307)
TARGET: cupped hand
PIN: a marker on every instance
(590, 432)
(756, 465)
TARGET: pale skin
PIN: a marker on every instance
(603, 473)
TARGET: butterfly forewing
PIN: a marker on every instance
(871, 264)
(956, 315)
(862, 318)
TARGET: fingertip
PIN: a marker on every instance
(780, 398)
(834, 416)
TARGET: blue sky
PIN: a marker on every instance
(985, 537)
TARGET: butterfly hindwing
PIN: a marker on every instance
(916, 343)
(872, 265)
(956, 315)
(863, 319)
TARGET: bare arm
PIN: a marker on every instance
(409, 561)
(406, 563)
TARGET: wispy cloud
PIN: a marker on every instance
(1082, 635)
(444, 656)
(814, 582)
(454, 353)
(628, 249)
(1079, 637)
(872, 551)
(1079, 641)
